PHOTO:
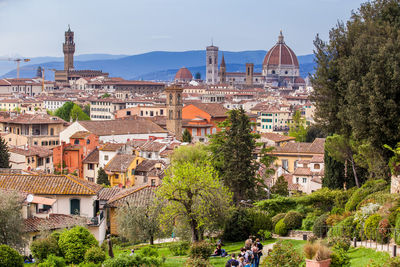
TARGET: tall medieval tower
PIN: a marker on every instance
(222, 70)
(174, 110)
(69, 50)
(212, 64)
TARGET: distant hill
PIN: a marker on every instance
(158, 65)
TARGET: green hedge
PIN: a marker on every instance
(293, 220)
(371, 225)
(280, 228)
(344, 228)
(319, 227)
(362, 192)
(10, 257)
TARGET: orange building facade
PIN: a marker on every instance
(202, 119)
(69, 157)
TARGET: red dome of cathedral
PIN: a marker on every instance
(281, 54)
(183, 74)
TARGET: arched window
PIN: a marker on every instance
(178, 116)
(88, 141)
(273, 72)
(170, 99)
(179, 99)
(51, 131)
(75, 205)
(209, 60)
(170, 114)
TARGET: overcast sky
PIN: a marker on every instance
(33, 28)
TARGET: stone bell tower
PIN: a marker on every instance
(69, 50)
(174, 110)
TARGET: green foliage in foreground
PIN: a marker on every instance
(10, 257)
(362, 192)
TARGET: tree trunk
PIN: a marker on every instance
(151, 240)
(354, 172)
(195, 231)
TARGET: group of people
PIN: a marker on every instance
(249, 255)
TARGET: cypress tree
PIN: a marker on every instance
(4, 154)
(186, 136)
(232, 151)
(102, 177)
(280, 187)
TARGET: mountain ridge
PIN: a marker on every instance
(157, 65)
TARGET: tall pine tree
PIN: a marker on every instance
(232, 150)
(357, 81)
(4, 154)
(102, 177)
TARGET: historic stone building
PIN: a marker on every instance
(212, 64)
(280, 68)
(69, 73)
(174, 110)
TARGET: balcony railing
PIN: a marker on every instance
(96, 221)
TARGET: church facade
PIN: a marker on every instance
(280, 68)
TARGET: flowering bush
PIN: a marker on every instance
(283, 254)
(361, 216)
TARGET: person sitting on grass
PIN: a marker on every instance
(232, 262)
(217, 251)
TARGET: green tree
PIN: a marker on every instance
(313, 132)
(102, 177)
(139, 223)
(64, 112)
(4, 154)
(280, 187)
(356, 81)
(232, 155)
(86, 109)
(193, 192)
(186, 136)
(197, 76)
(10, 257)
(77, 114)
(342, 149)
(334, 175)
(75, 242)
(297, 128)
(11, 220)
(106, 95)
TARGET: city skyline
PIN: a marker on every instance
(135, 27)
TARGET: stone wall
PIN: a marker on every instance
(299, 234)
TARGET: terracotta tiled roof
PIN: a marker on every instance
(108, 193)
(137, 196)
(289, 180)
(148, 164)
(277, 137)
(119, 163)
(317, 159)
(48, 184)
(111, 146)
(93, 157)
(303, 171)
(214, 109)
(33, 119)
(32, 151)
(119, 127)
(153, 146)
(80, 135)
(183, 73)
(316, 147)
(53, 222)
(281, 54)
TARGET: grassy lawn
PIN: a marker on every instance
(359, 257)
(173, 261)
